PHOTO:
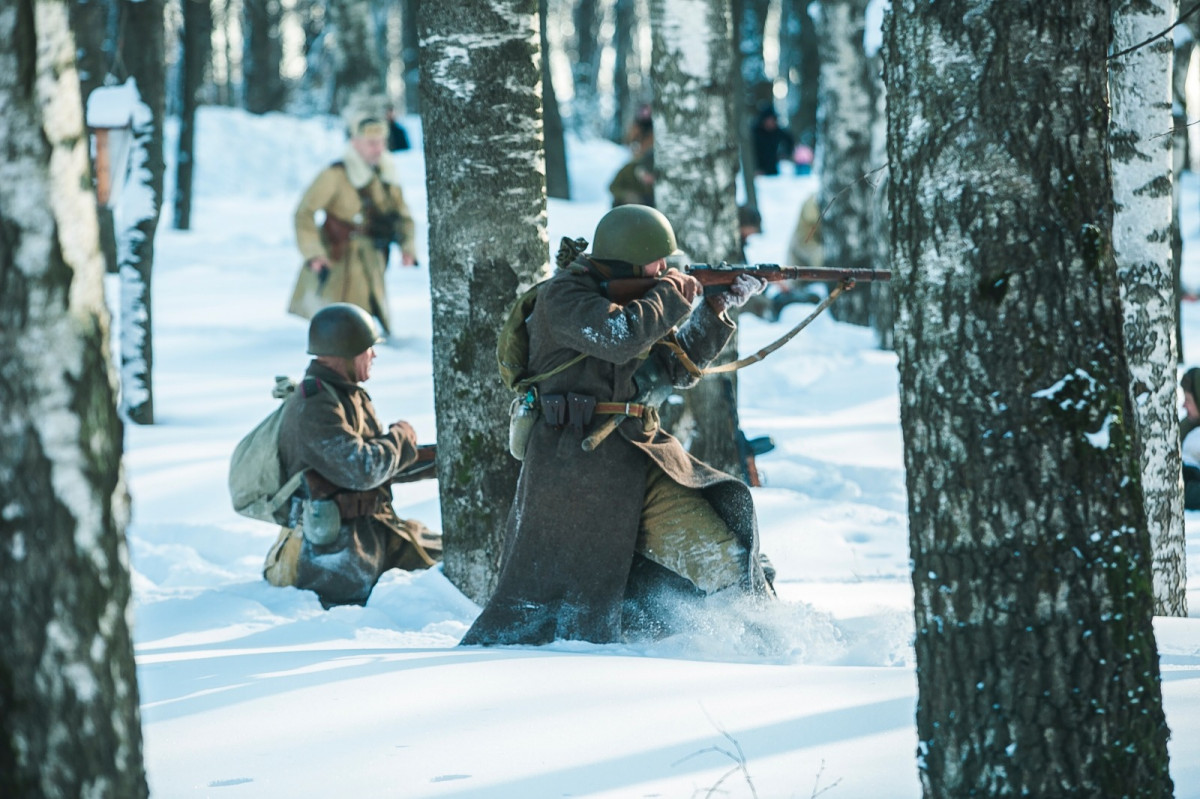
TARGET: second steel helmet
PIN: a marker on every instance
(342, 329)
(635, 234)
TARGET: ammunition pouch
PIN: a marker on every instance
(577, 410)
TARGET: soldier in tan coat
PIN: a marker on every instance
(364, 213)
(343, 532)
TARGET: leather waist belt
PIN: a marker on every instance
(635, 409)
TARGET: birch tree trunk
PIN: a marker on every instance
(1140, 84)
(585, 67)
(358, 65)
(1037, 667)
(1181, 162)
(487, 243)
(696, 164)
(847, 104)
(94, 23)
(195, 37)
(141, 202)
(410, 55)
(882, 309)
(558, 182)
(262, 54)
(68, 694)
(801, 63)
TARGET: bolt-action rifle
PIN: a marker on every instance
(423, 468)
(717, 278)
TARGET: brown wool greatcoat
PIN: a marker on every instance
(356, 277)
(343, 440)
(574, 522)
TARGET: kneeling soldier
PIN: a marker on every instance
(600, 526)
(343, 532)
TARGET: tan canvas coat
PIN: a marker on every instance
(571, 535)
(343, 440)
(356, 277)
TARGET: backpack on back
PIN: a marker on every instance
(258, 487)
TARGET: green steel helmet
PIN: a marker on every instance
(635, 234)
(342, 329)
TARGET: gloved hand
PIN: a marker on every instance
(404, 431)
(738, 294)
(686, 285)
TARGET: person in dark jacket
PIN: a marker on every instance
(1189, 438)
(343, 532)
(771, 142)
(612, 517)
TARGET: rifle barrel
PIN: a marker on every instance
(725, 272)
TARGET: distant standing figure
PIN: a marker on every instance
(1189, 436)
(634, 182)
(397, 135)
(365, 212)
(771, 142)
(340, 548)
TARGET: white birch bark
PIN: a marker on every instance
(1140, 88)
(485, 175)
(844, 114)
(69, 722)
(696, 165)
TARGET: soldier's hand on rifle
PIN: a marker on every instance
(408, 259)
(318, 263)
(738, 294)
(686, 285)
(404, 431)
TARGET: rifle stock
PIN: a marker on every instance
(716, 277)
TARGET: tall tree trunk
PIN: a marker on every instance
(801, 60)
(847, 105)
(141, 202)
(750, 84)
(1140, 83)
(624, 22)
(696, 165)
(262, 54)
(196, 39)
(358, 66)
(882, 309)
(558, 181)
(68, 693)
(1037, 668)
(487, 243)
(1181, 162)
(94, 23)
(585, 68)
(410, 50)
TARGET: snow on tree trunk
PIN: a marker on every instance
(358, 66)
(1140, 84)
(847, 104)
(141, 202)
(1037, 667)
(487, 243)
(696, 164)
(68, 694)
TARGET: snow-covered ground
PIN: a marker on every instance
(254, 691)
